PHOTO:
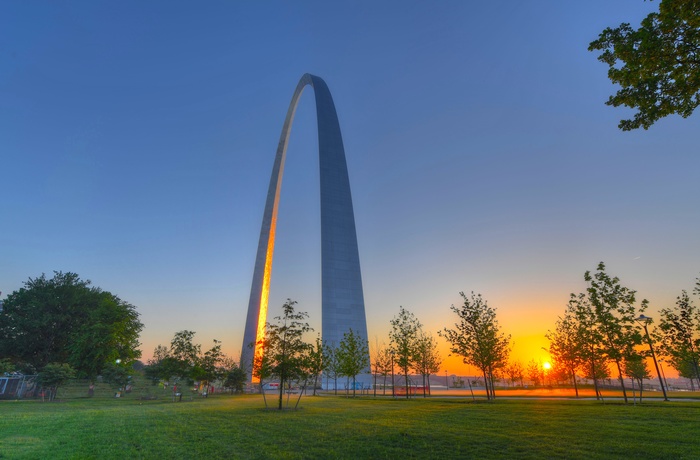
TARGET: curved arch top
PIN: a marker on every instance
(342, 298)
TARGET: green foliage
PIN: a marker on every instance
(606, 316)
(657, 65)
(236, 379)
(65, 320)
(404, 341)
(427, 358)
(679, 335)
(117, 374)
(478, 339)
(53, 375)
(635, 367)
(567, 346)
(6, 366)
(184, 360)
(284, 352)
(381, 364)
(353, 356)
(315, 361)
(331, 365)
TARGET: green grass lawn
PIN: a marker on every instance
(225, 426)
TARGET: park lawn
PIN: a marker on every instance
(224, 426)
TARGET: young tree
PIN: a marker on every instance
(66, 320)
(381, 365)
(657, 65)
(185, 356)
(52, 376)
(353, 355)
(331, 365)
(635, 367)
(117, 374)
(235, 379)
(427, 358)
(679, 334)
(515, 372)
(534, 372)
(285, 347)
(404, 338)
(316, 363)
(477, 337)
(608, 312)
(566, 346)
(209, 366)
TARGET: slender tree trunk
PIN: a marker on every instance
(573, 378)
(407, 387)
(486, 385)
(281, 393)
(303, 389)
(595, 380)
(622, 380)
(262, 390)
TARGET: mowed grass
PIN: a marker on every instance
(225, 426)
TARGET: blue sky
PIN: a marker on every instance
(137, 139)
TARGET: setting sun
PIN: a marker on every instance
(547, 366)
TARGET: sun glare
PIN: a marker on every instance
(547, 366)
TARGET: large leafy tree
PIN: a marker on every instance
(478, 339)
(66, 320)
(657, 65)
(353, 356)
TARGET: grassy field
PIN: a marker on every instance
(223, 426)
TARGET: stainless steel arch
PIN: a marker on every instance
(342, 298)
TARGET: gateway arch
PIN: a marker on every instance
(342, 299)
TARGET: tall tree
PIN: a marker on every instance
(478, 339)
(404, 339)
(657, 65)
(353, 355)
(66, 320)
